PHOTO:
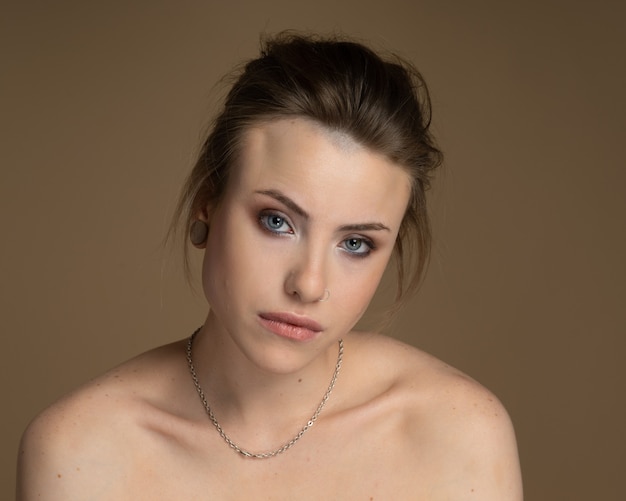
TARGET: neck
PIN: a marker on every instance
(253, 399)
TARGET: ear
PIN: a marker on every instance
(204, 214)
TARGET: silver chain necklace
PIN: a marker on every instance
(282, 448)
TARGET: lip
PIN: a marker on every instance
(290, 326)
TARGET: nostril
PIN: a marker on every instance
(306, 279)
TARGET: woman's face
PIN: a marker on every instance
(306, 210)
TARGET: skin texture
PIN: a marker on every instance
(295, 220)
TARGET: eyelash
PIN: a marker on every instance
(265, 216)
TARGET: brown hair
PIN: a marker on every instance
(382, 104)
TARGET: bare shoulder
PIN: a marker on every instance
(81, 443)
(462, 427)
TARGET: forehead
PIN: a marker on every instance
(325, 171)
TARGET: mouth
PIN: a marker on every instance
(290, 326)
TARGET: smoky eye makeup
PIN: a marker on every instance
(358, 246)
(274, 222)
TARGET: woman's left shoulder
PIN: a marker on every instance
(450, 417)
(430, 384)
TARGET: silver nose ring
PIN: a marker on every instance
(325, 297)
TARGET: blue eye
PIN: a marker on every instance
(275, 223)
(359, 247)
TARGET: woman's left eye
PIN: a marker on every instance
(274, 222)
(357, 246)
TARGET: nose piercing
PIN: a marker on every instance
(325, 297)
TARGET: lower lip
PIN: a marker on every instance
(289, 331)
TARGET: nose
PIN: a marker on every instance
(307, 278)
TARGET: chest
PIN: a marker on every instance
(342, 468)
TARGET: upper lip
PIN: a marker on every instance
(290, 318)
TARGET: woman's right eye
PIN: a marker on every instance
(275, 223)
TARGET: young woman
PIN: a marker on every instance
(314, 173)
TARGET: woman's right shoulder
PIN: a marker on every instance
(87, 426)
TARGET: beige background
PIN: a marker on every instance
(102, 108)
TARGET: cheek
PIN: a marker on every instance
(232, 266)
(357, 289)
(220, 258)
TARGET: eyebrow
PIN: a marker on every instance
(288, 202)
(364, 227)
(285, 200)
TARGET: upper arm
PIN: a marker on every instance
(495, 457)
(66, 454)
(483, 450)
(39, 472)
